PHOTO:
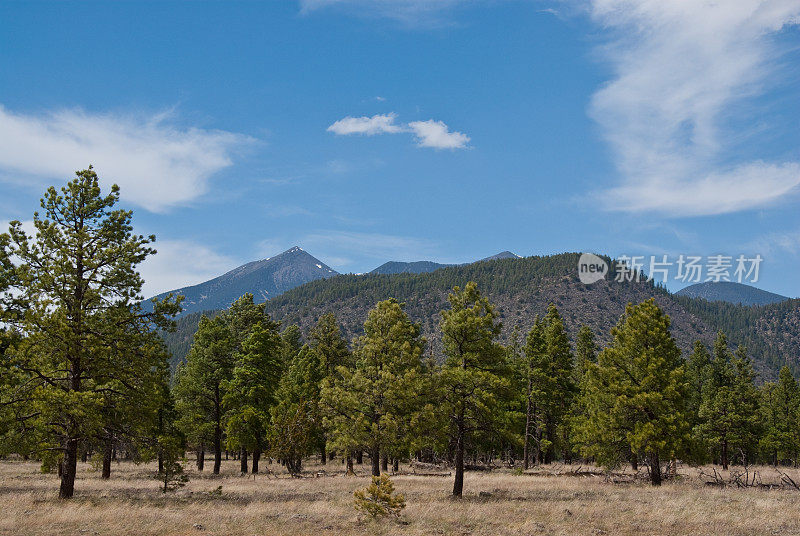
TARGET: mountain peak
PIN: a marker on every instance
(728, 291)
(265, 279)
(502, 255)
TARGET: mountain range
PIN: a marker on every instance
(270, 277)
(299, 288)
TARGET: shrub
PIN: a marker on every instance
(379, 498)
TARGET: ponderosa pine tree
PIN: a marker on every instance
(250, 393)
(585, 355)
(634, 401)
(698, 374)
(559, 388)
(585, 352)
(370, 405)
(331, 347)
(728, 411)
(296, 421)
(780, 403)
(552, 385)
(534, 350)
(474, 378)
(82, 322)
(200, 383)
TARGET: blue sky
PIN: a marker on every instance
(410, 129)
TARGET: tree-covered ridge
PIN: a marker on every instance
(524, 287)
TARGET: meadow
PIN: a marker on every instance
(554, 499)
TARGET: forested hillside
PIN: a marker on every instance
(521, 289)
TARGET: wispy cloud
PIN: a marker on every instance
(778, 244)
(157, 164)
(368, 126)
(411, 12)
(681, 67)
(182, 263)
(430, 133)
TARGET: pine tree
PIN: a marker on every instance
(698, 374)
(250, 393)
(330, 346)
(296, 422)
(474, 378)
(634, 399)
(728, 411)
(81, 318)
(559, 387)
(585, 352)
(200, 383)
(780, 403)
(369, 406)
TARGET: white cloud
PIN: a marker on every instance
(27, 226)
(436, 134)
(182, 263)
(156, 164)
(369, 126)
(430, 133)
(681, 69)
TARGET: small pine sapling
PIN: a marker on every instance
(379, 498)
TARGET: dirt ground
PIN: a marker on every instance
(548, 500)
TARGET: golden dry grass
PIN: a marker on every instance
(131, 504)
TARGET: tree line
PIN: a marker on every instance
(85, 375)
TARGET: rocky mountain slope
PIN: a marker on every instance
(265, 279)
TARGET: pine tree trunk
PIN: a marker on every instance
(526, 454)
(160, 464)
(243, 461)
(725, 454)
(350, 465)
(634, 462)
(396, 465)
(69, 469)
(384, 463)
(458, 483)
(201, 457)
(256, 458)
(376, 461)
(324, 456)
(360, 457)
(217, 431)
(655, 469)
(107, 452)
(217, 449)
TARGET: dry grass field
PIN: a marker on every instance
(539, 503)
